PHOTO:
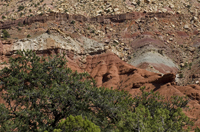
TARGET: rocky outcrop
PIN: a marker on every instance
(47, 41)
(42, 18)
(66, 17)
(152, 55)
(110, 71)
(96, 8)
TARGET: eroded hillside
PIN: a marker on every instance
(122, 44)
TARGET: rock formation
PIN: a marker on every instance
(121, 44)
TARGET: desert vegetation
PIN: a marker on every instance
(5, 34)
(43, 94)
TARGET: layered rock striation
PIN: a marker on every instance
(100, 19)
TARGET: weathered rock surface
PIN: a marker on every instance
(151, 54)
(100, 19)
(49, 41)
(96, 8)
(155, 62)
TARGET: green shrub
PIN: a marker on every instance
(152, 114)
(20, 8)
(143, 121)
(181, 75)
(3, 17)
(138, 2)
(186, 64)
(5, 34)
(19, 29)
(197, 130)
(76, 124)
(93, 31)
(21, 14)
(72, 22)
(20, 24)
(28, 36)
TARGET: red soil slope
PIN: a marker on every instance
(110, 71)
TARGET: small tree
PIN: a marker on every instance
(40, 92)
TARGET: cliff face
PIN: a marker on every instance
(158, 42)
(64, 17)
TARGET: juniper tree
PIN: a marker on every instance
(42, 91)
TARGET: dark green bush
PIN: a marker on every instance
(28, 36)
(5, 34)
(21, 14)
(20, 8)
(3, 17)
(72, 22)
(181, 75)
